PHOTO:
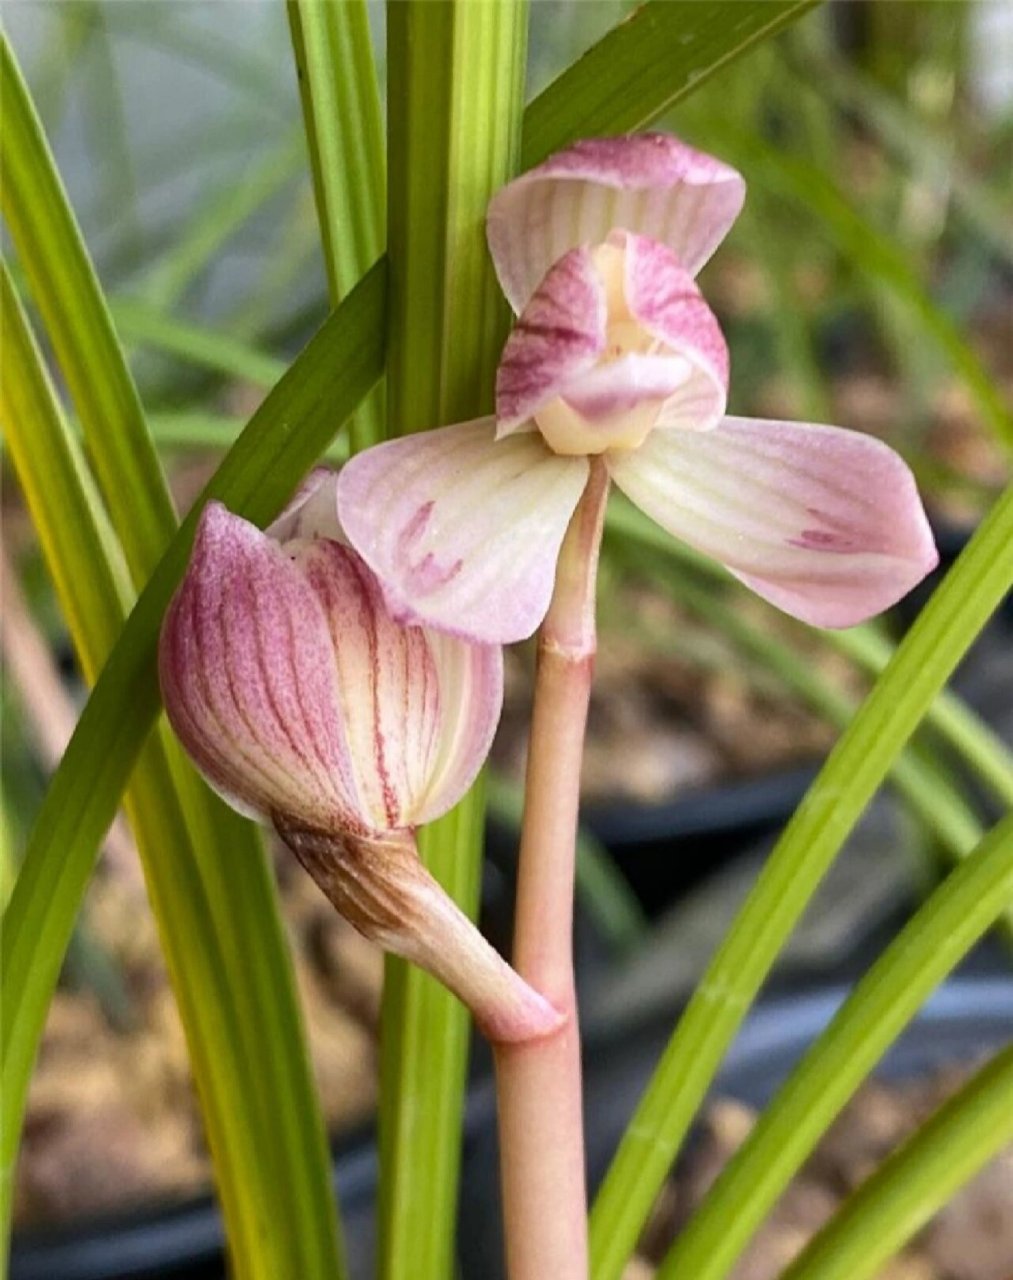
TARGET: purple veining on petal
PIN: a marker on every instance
(560, 334)
(426, 574)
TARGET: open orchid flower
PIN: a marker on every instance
(306, 705)
(616, 353)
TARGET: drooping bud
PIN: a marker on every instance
(306, 705)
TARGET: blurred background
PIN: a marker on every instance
(868, 283)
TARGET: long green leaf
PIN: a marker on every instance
(67, 292)
(933, 942)
(281, 442)
(855, 768)
(93, 589)
(916, 1181)
(140, 324)
(344, 133)
(455, 83)
(232, 925)
(647, 64)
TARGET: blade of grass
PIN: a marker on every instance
(66, 290)
(141, 325)
(93, 587)
(930, 945)
(344, 133)
(664, 51)
(976, 743)
(209, 910)
(455, 85)
(220, 219)
(916, 1181)
(280, 443)
(854, 770)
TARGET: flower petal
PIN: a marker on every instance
(387, 684)
(650, 183)
(312, 511)
(825, 523)
(247, 670)
(663, 299)
(470, 682)
(560, 335)
(462, 530)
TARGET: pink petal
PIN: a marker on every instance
(462, 530)
(664, 300)
(560, 335)
(650, 183)
(624, 384)
(246, 664)
(825, 523)
(312, 511)
(470, 681)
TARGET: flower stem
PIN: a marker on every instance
(541, 1130)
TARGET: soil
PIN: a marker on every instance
(971, 1239)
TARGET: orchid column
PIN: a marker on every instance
(455, 76)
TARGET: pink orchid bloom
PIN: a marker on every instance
(616, 353)
(306, 705)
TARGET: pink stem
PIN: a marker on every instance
(539, 1089)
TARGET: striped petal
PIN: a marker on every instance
(462, 530)
(470, 681)
(247, 669)
(649, 183)
(824, 523)
(662, 298)
(302, 699)
(560, 335)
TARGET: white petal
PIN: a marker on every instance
(825, 523)
(462, 530)
(649, 183)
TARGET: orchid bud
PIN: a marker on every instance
(307, 706)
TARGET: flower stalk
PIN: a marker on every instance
(539, 1084)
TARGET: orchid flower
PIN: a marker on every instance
(616, 353)
(306, 705)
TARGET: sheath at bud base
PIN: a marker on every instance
(379, 884)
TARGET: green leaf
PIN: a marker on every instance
(854, 770)
(66, 290)
(140, 324)
(93, 589)
(455, 83)
(208, 922)
(916, 1181)
(647, 64)
(930, 945)
(344, 133)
